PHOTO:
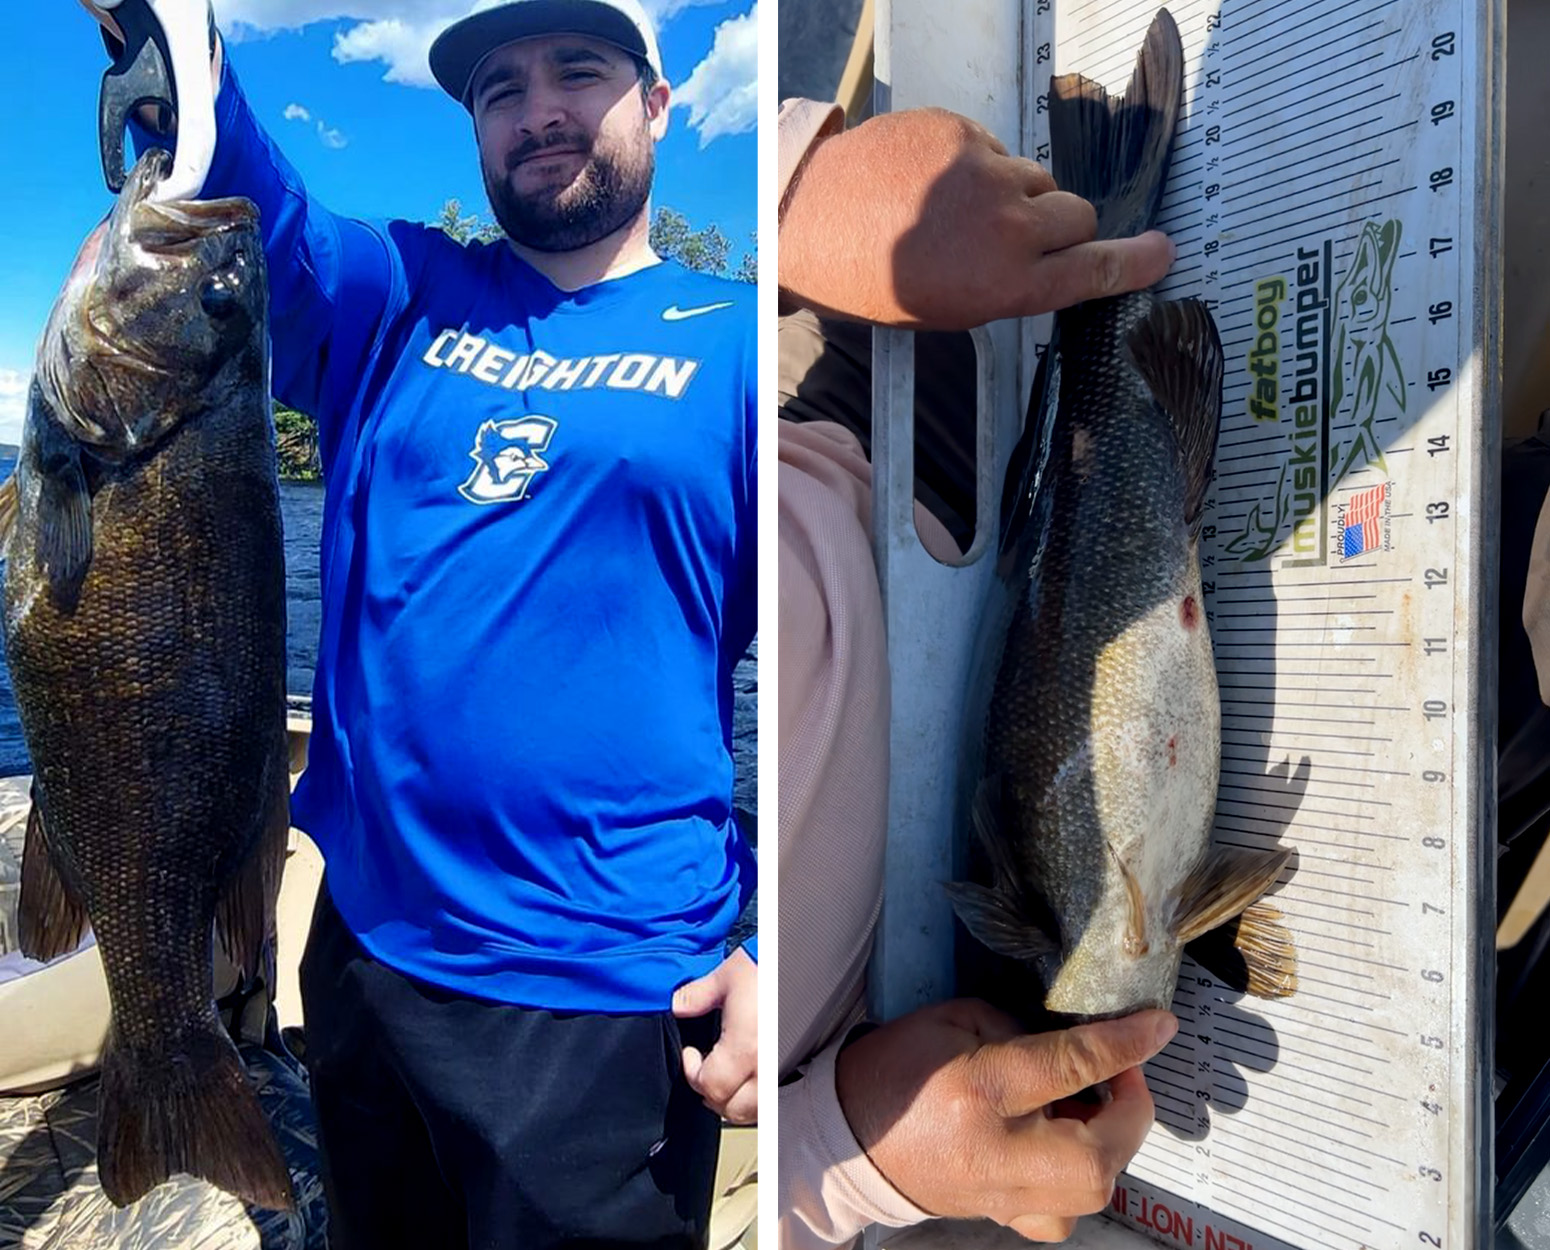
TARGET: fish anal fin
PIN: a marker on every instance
(193, 1111)
(1223, 886)
(52, 920)
(996, 921)
(1115, 152)
(1253, 953)
(1178, 352)
(245, 914)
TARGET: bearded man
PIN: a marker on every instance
(538, 571)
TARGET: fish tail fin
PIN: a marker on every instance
(1115, 152)
(1252, 954)
(1178, 352)
(52, 918)
(191, 1111)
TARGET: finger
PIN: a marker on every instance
(1119, 1128)
(723, 1073)
(1098, 269)
(1061, 220)
(1026, 1073)
(693, 1061)
(1043, 1227)
(698, 997)
(1033, 178)
(743, 1106)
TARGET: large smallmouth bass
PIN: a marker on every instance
(144, 621)
(1094, 737)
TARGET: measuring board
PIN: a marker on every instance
(1334, 199)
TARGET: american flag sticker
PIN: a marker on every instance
(1362, 526)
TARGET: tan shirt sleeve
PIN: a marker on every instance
(803, 123)
(833, 807)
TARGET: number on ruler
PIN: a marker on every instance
(1433, 975)
(1435, 577)
(1043, 53)
(1442, 46)
(1440, 311)
(1433, 844)
(1439, 245)
(1430, 1240)
(1436, 512)
(1432, 774)
(1213, 21)
(1437, 444)
(1042, 6)
(1431, 1043)
(1214, 78)
(1427, 907)
(1435, 646)
(1431, 1174)
(1434, 709)
(1434, 1107)
(1213, 135)
(1438, 377)
(1442, 178)
(1441, 112)
(1208, 588)
(1212, 190)
(1041, 105)
(1042, 154)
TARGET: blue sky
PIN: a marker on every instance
(343, 86)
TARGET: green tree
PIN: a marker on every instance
(470, 229)
(296, 442)
(704, 251)
(748, 268)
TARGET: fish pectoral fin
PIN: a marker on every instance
(1178, 353)
(997, 923)
(1223, 886)
(1253, 953)
(52, 920)
(64, 529)
(9, 508)
(190, 1111)
(245, 915)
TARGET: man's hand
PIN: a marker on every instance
(963, 1113)
(115, 32)
(727, 1077)
(921, 219)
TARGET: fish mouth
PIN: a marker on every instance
(174, 227)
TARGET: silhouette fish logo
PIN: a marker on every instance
(507, 456)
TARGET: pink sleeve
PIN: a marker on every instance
(833, 806)
(801, 124)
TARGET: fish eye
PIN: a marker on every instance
(218, 298)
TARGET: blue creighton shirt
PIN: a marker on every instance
(538, 570)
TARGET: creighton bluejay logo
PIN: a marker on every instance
(508, 455)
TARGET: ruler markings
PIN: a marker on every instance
(1289, 81)
(1300, 121)
(1284, 165)
(1304, 192)
(1251, 1112)
(1326, 1200)
(1259, 1096)
(1240, 30)
(1271, 1145)
(1322, 218)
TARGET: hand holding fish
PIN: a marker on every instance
(922, 219)
(963, 1112)
(727, 1078)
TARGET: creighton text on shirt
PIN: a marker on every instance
(667, 376)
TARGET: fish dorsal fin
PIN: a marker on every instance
(1022, 499)
(1223, 886)
(52, 919)
(1177, 352)
(1252, 954)
(1115, 152)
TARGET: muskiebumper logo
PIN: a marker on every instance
(1344, 359)
(508, 455)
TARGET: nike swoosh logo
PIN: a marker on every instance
(675, 313)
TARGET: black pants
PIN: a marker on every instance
(447, 1121)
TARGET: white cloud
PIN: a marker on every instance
(398, 33)
(722, 92)
(13, 404)
(328, 136)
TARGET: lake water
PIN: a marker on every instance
(302, 507)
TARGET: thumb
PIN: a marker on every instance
(699, 997)
(1030, 1072)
